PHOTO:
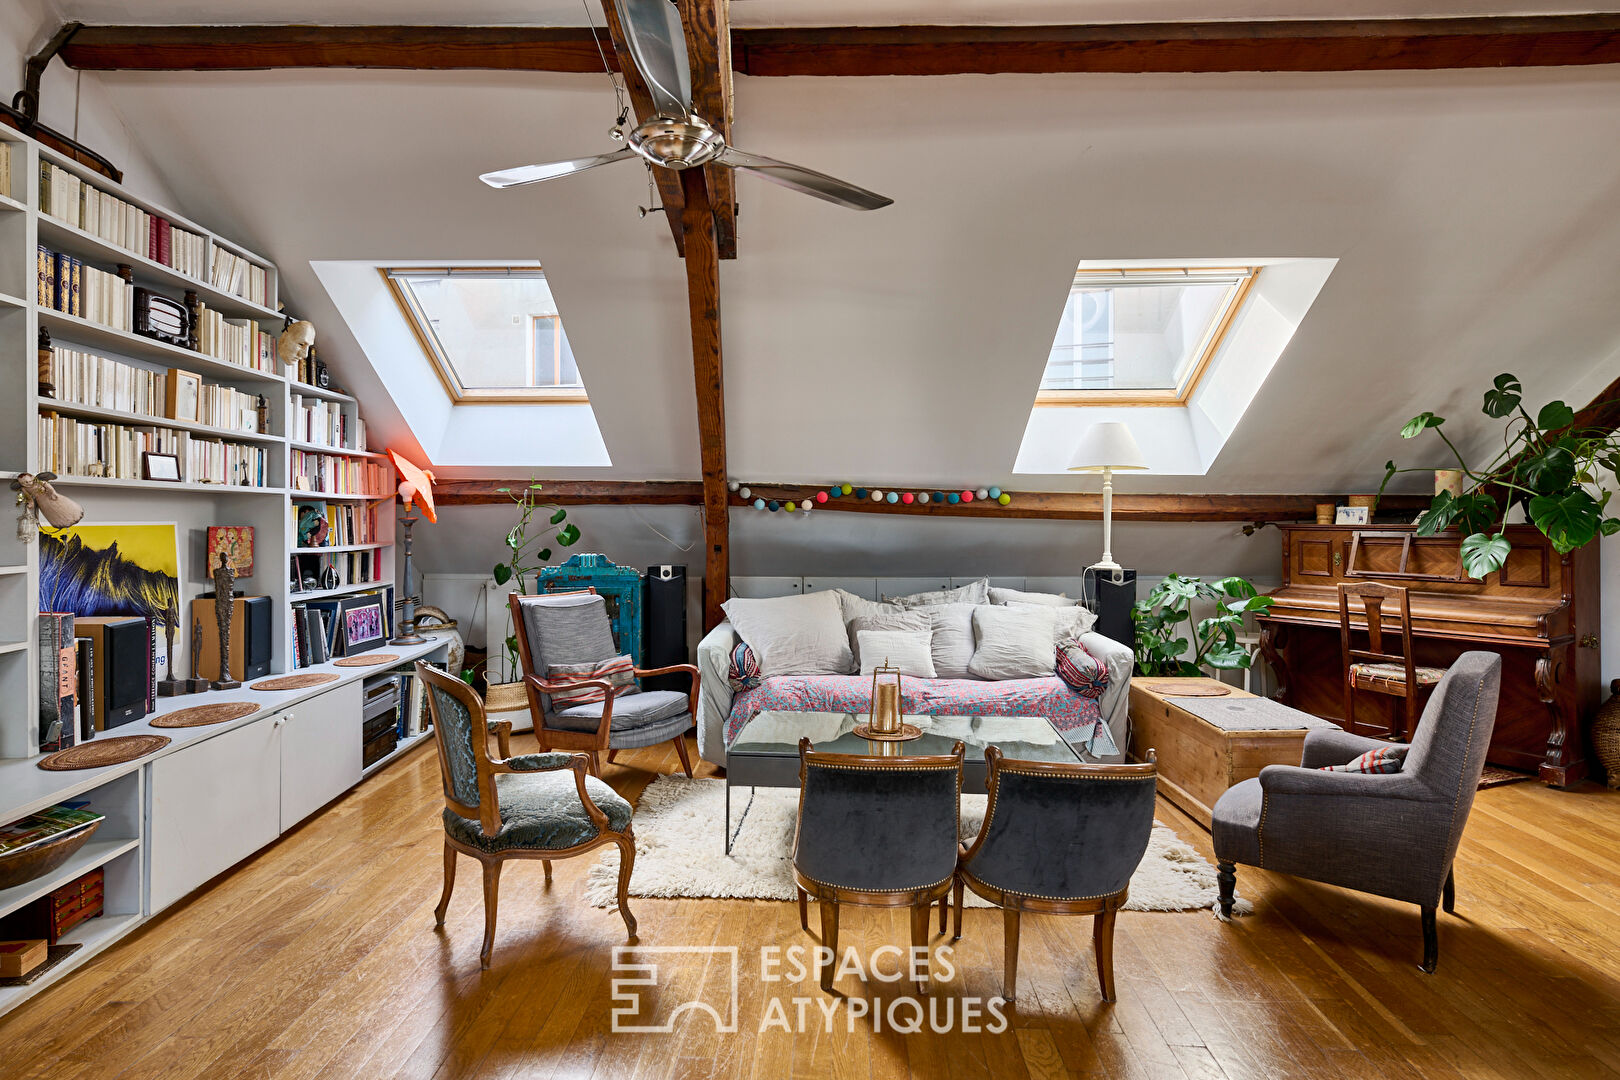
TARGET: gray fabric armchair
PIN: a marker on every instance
(1392, 834)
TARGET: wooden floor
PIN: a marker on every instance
(317, 958)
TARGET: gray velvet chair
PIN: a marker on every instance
(875, 832)
(574, 628)
(1390, 834)
(1061, 840)
(534, 806)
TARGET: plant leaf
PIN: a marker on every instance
(1554, 416)
(1549, 472)
(1610, 526)
(502, 574)
(1235, 586)
(1438, 516)
(1503, 396)
(559, 517)
(1228, 658)
(1570, 521)
(1483, 554)
(568, 535)
(545, 555)
(1421, 423)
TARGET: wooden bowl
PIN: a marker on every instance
(41, 859)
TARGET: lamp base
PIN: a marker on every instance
(1108, 569)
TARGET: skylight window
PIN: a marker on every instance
(1140, 336)
(493, 334)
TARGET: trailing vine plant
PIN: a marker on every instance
(522, 562)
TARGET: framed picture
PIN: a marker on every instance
(164, 467)
(237, 540)
(360, 622)
(1352, 515)
(184, 391)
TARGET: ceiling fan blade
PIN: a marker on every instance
(533, 174)
(652, 29)
(804, 180)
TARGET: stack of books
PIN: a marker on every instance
(65, 197)
(235, 274)
(69, 286)
(316, 420)
(336, 475)
(70, 446)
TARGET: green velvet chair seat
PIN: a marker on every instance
(541, 811)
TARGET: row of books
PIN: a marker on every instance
(73, 447)
(316, 420)
(72, 693)
(317, 629)
(69, 286)
(234, 274)
(337, 475)
(235, 341)
(336, 524)
(5, 168)
(65, 197)
(86, 378)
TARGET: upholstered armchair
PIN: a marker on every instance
(875, 832)
(1062, 840)
(573, 628)
(1390, 834)
(534, 806)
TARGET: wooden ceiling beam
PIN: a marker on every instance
(457, 492)
(1274, 45)
(669, 185)
(703, 307)
(708, 48)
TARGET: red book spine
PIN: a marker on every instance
(152, 237)
(164, 255)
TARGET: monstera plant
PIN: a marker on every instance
(1561, 475)
(1160, 647)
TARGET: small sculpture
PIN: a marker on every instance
(196, 684)
(171, 686)
(224, 583)
(294, 343)
(37, 496)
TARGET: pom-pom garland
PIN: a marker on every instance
(877, 495)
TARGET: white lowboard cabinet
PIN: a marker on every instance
(320, 752)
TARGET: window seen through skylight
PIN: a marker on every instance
(493, 334)
(1140, 333)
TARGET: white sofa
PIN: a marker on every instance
(714, 704)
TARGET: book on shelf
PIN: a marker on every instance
(316, 420)
(345, 524)
(336, 474)
(86, 378)
(85, 648)
(5, 169)
(69, 446)
(67, 285)
(68, 199)
(58, 681)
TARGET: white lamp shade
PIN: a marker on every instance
(1107, 445)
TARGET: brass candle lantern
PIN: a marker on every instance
(885, 721)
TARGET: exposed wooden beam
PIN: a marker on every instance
(708, 48)
(703, 307)
(570, 492)
(1276, 45)
(669, 184)
(1602, 413)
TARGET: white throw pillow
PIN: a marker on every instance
(855, 606)
(794, 635)
(953, 638)
(1015, 596)
(1071, 621)
(915, 621)
(974, 592)
(1014, 643)
(907, 650)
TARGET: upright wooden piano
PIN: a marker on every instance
(1540, 613)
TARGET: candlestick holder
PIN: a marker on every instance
(885, 722)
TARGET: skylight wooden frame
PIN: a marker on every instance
(459, 394)
(1177, 396)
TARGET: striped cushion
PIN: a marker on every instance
(618, 672)
(1384, 759)
(1393, 676)
(1081, 670)
(743, 672)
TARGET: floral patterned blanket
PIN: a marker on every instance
(1078, 717)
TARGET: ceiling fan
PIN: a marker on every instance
(676, 137)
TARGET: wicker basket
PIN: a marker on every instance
(1606, 735)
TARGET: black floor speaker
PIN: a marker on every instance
(1114, 602)
(663, 626)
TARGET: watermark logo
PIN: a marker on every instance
(716, 997)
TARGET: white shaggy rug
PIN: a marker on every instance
(680, 851)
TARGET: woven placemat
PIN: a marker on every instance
(1185, 687)
(370, 659)
(295, 682)
(203, 715)
(100, 752)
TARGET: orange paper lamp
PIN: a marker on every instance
(415, 486)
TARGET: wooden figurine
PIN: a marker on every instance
(171, 686)
(196, 684)
(224, 585)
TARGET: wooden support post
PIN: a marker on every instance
(703, 304)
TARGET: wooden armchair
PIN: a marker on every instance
(534, 806)
(574, 628)
(1379, 672)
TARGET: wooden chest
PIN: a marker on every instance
(1197, 760)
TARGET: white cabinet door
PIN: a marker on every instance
(213, 804)
(320, 752)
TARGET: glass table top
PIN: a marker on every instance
(1027, 738)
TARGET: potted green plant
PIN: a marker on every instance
(1160, 647)
(522, 560)
(1561, 476)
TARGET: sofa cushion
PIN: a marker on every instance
(742, 673)
(794, 635)
(913, 621)
(567, 629)
(1013, 643)
(953, 638)
(1068, 622)
(852, 606)
(908, 650)
(1084, 672)
(542, 811)
(1018, 596)
(974, 592)
(632, 711)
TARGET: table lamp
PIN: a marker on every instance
(1104, 447)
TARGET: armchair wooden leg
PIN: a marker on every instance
(449, 883)
(627, 862)
(613, 756)
(1448, 897)
(547, 864)
(828, 961)
(944, 912)
(686, 760)
(492, 889)
(957, 890)
(1102, 943)
(1431, 941)
(804, 910)
(595, 766)
(1226, 878)
(919, 940)
(1009, 935)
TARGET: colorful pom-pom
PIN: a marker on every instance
(860, 493)
(759, 504)
(845, 489)
(995, 493)
(773, 506)
(732, 485)
(893, 496)
(908, 498)
(967, 496)
(922, 497)
(1004, 498)
(939, 496)
(982, 493)
(789, 507)
(804, 507)
(954, 497)
(821, 496)
(745, 493)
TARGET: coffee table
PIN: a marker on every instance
(766, 751)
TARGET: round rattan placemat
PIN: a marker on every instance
(101, 752)
(370, 659)
(1185, 687)
(295, 682)
(202, 715)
